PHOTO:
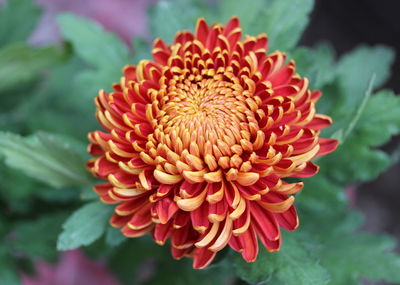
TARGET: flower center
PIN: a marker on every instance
(216, 109)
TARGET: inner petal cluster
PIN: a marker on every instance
(211, 123)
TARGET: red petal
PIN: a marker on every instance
(129, 72)
(102, 188)
(235, 244)
(95, 149)
(202, 30)
(241, 224)
(164, 189)
(202, 257)
(319, 122)
(315, 95)
(141, 218)
(262, 42)
(282, 76)
(218, 210)
(107, 199)
(131, 206)
(232, 24)
(162, 232)
(165, 209)
(200, 218)
(327, 146)
(119, 221)
(233, 38)
(179, 253)
(212, 38)
(181, 219)
(265, 221)
(250, 245)
(310, 170)
(271, 245)
(288, 220)
(183, 37)
(127, 231)
(184, 237)
(160, 52)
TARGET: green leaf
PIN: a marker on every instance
(380, 119)
(94, 80)
(377, 123)
(292, 265)
(84, 226)
(45, 157)
(354, 255)
(129, 260)
(316, 64)
(59, 97)
(88, 194)
(364, 164)
(181, 273)
(92, 43)
(247, 13)
(360, 109)
(37, 238)
(18, 18)
(101, 50)
(171, 16)
(8, 272)
(283, 21)
(321, 196)
(353, 78)
(141, 49)
(20, 199)
(329, 240)
(352, 112)
(258, 272)
(20, 64)
(354, 74)
(347, 254)
(114, 236)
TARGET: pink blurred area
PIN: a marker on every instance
(127, 18)
(73, 268)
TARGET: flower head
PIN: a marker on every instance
(198, 140)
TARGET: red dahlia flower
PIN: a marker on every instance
(197, 141)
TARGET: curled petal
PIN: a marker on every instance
(247, 178)
(191, 204)
(278, 206)
(165, 178)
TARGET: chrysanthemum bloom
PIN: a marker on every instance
(197, 141)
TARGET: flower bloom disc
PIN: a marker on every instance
(197, 141)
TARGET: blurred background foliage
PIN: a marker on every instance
(47, 109)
